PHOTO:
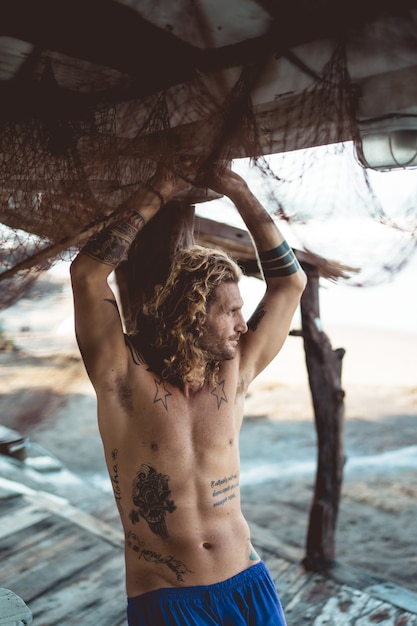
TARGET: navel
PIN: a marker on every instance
(207, 545)
(154, 446)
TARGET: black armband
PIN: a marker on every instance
(281, 261)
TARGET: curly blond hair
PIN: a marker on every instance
(172, 321)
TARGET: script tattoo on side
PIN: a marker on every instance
(151, 497)
(138, 546)
(224, 489)
(114, 477)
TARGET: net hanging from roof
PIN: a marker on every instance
(67, 171)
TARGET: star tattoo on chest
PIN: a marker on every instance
(161, 393)
(219, 393)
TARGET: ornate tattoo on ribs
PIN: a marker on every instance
(138, 546)
(150, 495)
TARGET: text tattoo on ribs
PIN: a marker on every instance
(178, 567)
(150, 495)
(224, 489)
(115, 480)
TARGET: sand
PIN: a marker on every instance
(46, 395)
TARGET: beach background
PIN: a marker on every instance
(46, 395)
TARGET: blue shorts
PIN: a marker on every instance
(247, 598)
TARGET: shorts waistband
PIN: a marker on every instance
(246, 576)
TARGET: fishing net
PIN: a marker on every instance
(69, 164)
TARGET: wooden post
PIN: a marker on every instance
(324, 366)
(151, 255)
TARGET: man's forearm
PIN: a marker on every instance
(276, 257)
(111, 245)
(258, 221)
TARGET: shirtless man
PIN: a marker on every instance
(170, 408)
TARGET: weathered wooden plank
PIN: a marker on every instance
(277, 567)
(320, 601)
(62, 557)
(50, 503)
(398, 596)
(351, 606)
(9, 502)
(238, 243)
(20, 550)
(235, 240)
(290, 582)
(94, 595)
(67, 511)
(43, 567)
(306, 605)
(352, 576)
(21, 519)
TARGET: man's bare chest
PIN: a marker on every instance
(162, 412)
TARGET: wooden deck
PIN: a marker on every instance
(67, 565)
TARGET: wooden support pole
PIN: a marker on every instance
(324, 367)
(151, 255)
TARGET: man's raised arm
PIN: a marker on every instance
(285, 279)
(98, 324)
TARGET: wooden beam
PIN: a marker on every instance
(238, 243)
(105, 33)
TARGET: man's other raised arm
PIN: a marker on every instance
(98, 325)
(285, 280)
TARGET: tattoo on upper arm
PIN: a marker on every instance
(219, 393)
(113, 302)
(137, 357)
(224, 489)
(115, 480)
(151, 497)
(256, 317)
(138, 546)
(161, 393)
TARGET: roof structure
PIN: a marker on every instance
(113, 50)
(94, 92)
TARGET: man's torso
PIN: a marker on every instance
(173, 460)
